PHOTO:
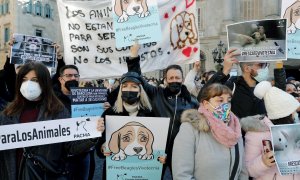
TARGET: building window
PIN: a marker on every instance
(1, 10)
(39, 32)
(38, 8)
(6, 34)
(28, 7)
(249, 9)
(47, 11)
(5, 7)
(201, 18)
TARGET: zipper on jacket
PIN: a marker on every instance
(173, 121)
(230, 162)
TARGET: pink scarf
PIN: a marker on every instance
(228, 135)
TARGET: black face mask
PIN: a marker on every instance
(174, 87)
(70, 84)
(130, 97)
(295, 94)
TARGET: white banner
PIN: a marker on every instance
(89, 38)
(48, 132)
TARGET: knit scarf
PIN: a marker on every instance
(228, 135)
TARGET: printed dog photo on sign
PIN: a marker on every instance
(133, 139)
(183, 30)
(293, 17)
(126, 8)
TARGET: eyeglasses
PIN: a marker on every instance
(71, 75)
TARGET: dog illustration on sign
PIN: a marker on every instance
(133, 139)
(125, 8)
(292, 14)
(82, 123)
(183, 30)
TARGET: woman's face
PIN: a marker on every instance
(31, 76)
(130, 86)
(216, 101)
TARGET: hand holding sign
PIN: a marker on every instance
(268, 159)
(229, 60)
(134, 49)
(100, 125)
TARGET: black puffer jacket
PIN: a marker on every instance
(244, 103)
(53, 154)
(166, 105)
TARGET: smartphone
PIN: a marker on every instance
(267, 146)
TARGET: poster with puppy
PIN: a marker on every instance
(263, 40)
(289, 11)
(136, 21)
(28, 48)
(286, 145)
(135, 144)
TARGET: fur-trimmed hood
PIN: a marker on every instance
(197, 120)
(257, 123)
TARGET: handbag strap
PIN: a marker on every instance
(236, 162)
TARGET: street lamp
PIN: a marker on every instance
(218, 55)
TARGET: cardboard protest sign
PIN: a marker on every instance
(88, 101)
(135, 143)
(136, 21)
(32, 48)
(288, 8)
(263, 40)
(286, 145)
(90, 41)
(47, 132)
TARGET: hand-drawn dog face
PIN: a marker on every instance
(133, 139)
(292, 14)
(183, 29)
(125, 8)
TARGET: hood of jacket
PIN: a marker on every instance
(197, 120)
(256, 123)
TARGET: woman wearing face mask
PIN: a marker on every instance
(132, 100)
(35, 101)
(209, 143)
(281, 109)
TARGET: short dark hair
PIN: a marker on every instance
(174, 66)
(285, 120)
(62, 69)
(213, 90)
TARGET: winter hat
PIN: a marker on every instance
(278, 103)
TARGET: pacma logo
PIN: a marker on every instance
(81, 126)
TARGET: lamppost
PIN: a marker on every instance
(218, 55)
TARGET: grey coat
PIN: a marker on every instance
(54, 154)
(198, 155)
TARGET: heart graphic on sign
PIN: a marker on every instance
(189, 3)
(195, 49)
(174, 8)
(166, 16)
(187, 51)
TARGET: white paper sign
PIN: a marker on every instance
(47, 132)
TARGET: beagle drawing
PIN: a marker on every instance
(182, 30)
(133, 139)
(126, 8)
(292, 14)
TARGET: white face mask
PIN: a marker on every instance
(30, 90)
(262, 74)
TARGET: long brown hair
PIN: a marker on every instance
(213, 90)
(48, 98)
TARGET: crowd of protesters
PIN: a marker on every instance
(216, 125)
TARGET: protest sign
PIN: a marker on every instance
(47, 132)
(288, 8)
(88, 101)
(89, 38)
(135, 143)
(136, 21)
(32, 48)
(263, 40)
(286, 145)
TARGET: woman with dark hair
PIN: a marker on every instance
(35, 101)
(281, 109)
(209, 144)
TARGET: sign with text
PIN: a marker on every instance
(136, 21)
(90, 40)
(32, 48)
(288, 12)
(286, 145)
(135, 143)
(47, 132)
(88, 101)
(263, 40)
